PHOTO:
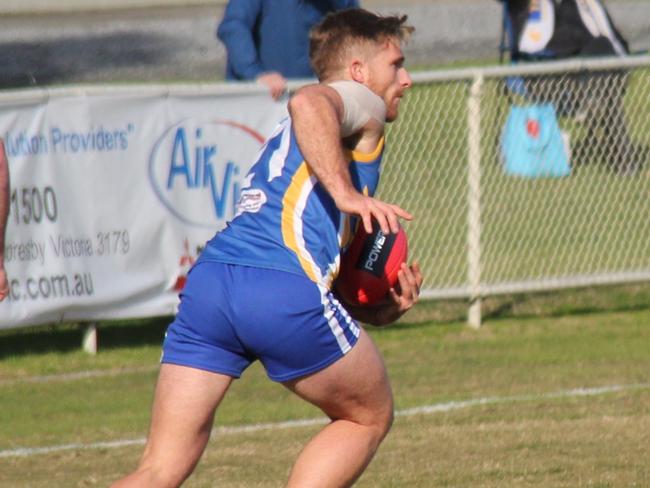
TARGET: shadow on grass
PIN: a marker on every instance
(584, 301)
(428, 313)
(68, 337)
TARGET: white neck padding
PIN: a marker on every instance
(360, 104)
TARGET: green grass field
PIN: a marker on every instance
(523, 423)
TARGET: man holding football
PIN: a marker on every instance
(263, 287)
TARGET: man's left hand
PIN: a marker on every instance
(401, 297)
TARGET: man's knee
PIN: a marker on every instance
(381, 420)
(387, 417)
(162, 475)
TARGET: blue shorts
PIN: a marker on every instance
(231, 315)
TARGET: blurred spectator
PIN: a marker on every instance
(268, 40)
(563, 28)
(560, 29)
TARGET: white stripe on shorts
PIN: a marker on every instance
(330, 305)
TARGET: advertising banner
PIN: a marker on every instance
(115, 192)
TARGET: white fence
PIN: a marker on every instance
(481, 230)
(135, 214)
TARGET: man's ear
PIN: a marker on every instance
(358, 71)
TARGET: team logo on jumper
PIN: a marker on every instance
(251, 200)
(196, 169)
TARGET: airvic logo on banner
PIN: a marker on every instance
(196, 169)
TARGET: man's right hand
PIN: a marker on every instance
(275, 81)
(367, 208)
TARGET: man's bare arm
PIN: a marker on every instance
(316, 111)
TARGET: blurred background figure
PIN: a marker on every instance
(268, 40)
(563, 28)
(541, 30)
(4, 215)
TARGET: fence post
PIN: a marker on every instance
(474, 201)
(89, 340)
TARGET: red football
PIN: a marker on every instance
(370, 264)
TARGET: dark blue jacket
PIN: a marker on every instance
(272, 35)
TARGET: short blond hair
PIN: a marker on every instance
(341, 32)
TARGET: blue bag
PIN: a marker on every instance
(532, 144)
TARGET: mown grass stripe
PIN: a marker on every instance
(289, 424)
(79, 375)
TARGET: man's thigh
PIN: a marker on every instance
(356, 387)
